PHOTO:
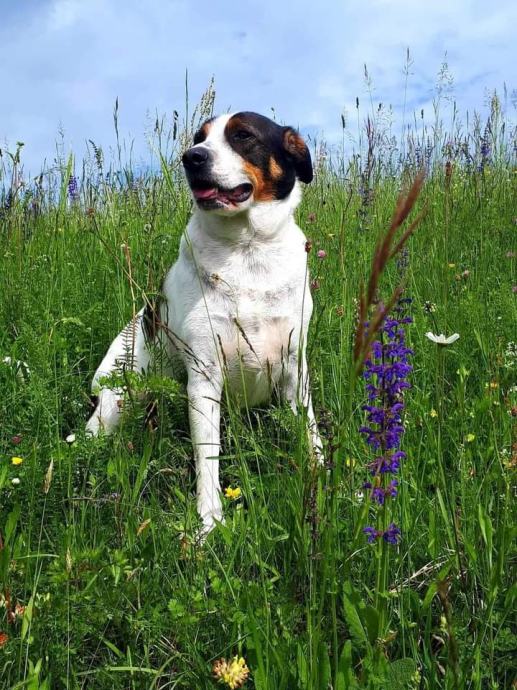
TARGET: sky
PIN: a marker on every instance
(64, 62)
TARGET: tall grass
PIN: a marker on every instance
(96, 588)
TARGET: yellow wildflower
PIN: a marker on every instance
(350, 462)
(232, 494)
(16, 460)
(234, 673)
(433, 413)
(470, 437)
(452, 265)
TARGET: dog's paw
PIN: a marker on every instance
(199, 536)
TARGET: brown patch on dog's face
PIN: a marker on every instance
(274, 169)
(263, 189)
(203, 131)
(273, 156)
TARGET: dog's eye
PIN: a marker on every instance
(242, 135)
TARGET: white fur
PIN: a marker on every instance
(236, 312)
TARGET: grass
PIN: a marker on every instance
(89, 537)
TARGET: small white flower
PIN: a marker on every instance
(359, 496)
(70, 439)
(441, 339)
(15, 481)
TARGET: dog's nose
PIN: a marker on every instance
(195, 158)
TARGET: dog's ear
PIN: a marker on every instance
(298, 153)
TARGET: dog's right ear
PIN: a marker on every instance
(298, 153)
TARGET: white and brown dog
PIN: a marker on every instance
(236, 304)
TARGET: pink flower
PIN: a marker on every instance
(15, 440)
(514, 289)
(315, 284)
(321, 254)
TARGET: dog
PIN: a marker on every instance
(236, 305)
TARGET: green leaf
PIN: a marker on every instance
(355, 627)
(323, 666)
(400, 674)
(11, 521)
(303, 669)
(371, 618)
(486, 530)
(345, 679)
(27, 618)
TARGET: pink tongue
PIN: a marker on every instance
(205, 193)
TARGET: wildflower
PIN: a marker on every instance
(234, 673)
(386, 370)
(451, 265)
(70, 439)
(465, 274)
(433, 413)
(3, 639)
(15, 440)
(73, 190)
(233, 494)
(392, 534)
(15, 481)
(315, 284)
(19, 610)
(441, 339)
(511, 255)
(514, 289)
(429, 307)
(470, 437)
(321, 254)
(16, 460)
(371, 534)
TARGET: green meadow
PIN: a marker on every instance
(98, 590)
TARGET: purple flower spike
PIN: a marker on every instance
(371, 534)
(392, 534)
(386, 372)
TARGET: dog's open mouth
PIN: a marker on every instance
(208, 195)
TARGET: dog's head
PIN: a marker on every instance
(242, 159)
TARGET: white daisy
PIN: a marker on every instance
(441, 339)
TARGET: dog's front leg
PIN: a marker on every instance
(204, 399)
(296, 391)
(128, 351)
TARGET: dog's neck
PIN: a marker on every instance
(262, 222)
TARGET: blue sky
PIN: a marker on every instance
(65, 61)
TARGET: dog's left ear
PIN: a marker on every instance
(299, 154)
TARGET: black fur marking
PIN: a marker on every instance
(202, 132)
(258, 140)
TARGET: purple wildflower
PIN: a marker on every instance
(73, 188)
(386, 370)
(371, 534)
(392, 534)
